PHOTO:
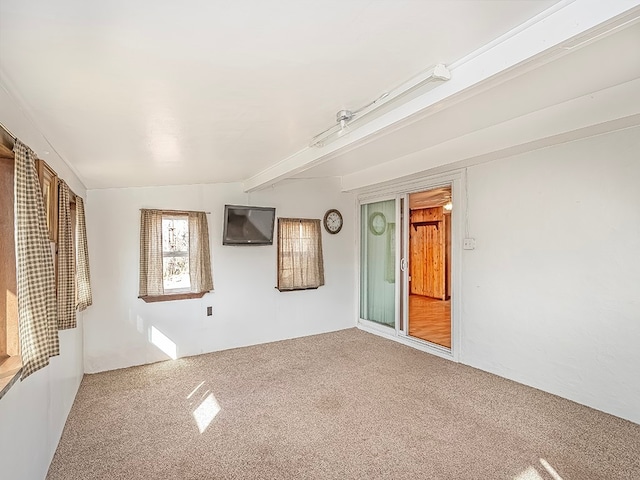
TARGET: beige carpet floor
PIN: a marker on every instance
(343, 405)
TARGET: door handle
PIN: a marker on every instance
(403, 264)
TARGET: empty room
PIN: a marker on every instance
(291, 239)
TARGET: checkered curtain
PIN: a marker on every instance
(66, 262)
(199, 254)
(34, 264)
(83, 274)
(300, 261)
(151, 253)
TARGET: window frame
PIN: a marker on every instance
(10, 359)
(173, 294)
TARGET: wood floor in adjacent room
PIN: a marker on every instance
(343, 405)
(430, 319)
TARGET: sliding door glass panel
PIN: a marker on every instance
(378, 262)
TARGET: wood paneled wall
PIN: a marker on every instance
(447, 253)
(428, 253)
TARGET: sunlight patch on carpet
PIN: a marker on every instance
(193, 392)
(529, 474)
(206, 412)
(550, 469)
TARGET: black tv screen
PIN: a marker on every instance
(248, 225)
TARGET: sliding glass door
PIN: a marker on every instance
(378, 262)
(409, 266)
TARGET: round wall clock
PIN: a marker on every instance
(377, 223)
(332, 221)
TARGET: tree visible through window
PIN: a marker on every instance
(175, 253)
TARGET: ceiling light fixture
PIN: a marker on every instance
(344, 117)
(341, 127)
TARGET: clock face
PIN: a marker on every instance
(333, 221)
(377, 223)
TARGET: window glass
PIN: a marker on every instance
(175, 253)
(377, 262)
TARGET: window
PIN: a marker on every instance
(29, 328)
(300, 262)
(175, 262)
(65, 260)
(73, 283)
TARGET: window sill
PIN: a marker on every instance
(296, 289)
(10, 368)
(170, 297)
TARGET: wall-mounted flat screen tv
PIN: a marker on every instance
(248, 225)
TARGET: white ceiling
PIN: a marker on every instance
(156, 93)
(608, 64)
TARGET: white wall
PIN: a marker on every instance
(247, 309)
(33, 412)
(551, 295)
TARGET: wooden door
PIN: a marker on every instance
(427, 247)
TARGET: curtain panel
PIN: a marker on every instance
(151, 283)
(66, 262)
(37, 310)
(300, 260)
(199, 253)
(84, 295)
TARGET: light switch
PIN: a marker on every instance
(469, 243)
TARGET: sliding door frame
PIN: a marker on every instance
(400, 191)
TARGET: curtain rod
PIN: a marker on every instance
(174, 211)
(72, 194)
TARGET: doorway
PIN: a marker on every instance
(429, 266)
(409, 267)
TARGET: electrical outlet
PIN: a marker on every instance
(469, 243)
(209, 311)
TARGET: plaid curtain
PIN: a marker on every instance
(83, 274)
(151, 253)
(34, 264)
(199, 254)
(66, 262)
(300, 262)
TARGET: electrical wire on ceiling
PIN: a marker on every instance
(345, 117)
